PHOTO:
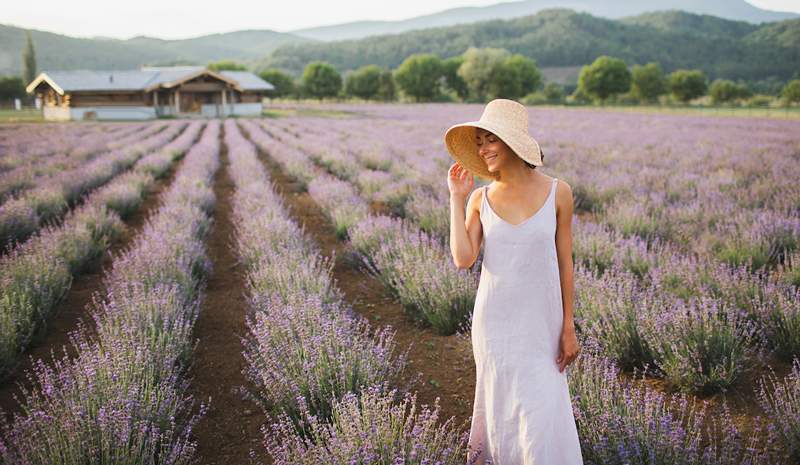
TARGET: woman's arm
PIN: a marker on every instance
(564, 209)
(465, 226)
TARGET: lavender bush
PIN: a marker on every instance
(622, 423)
(780, 399)
(370, 428)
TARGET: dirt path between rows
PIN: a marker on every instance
(76, 307)
(446, 367)
(232, 426)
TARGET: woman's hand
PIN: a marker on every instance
(568, 346)
(459, 181)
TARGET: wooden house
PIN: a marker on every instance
(148, 93)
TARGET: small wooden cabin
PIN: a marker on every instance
(148, 93)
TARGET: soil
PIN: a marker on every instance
(231, 428)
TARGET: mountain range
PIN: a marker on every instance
(759, 45)
(737, 10)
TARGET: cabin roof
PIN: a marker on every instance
(144, 79)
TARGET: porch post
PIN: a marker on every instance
(224, 98)
(177, 101)
(155, 101)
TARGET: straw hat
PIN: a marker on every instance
(506, 119)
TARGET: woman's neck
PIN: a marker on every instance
(515, 177)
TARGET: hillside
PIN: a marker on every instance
(55, 51)
(561, 37)
(738, 10)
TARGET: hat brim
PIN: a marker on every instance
(460, 142)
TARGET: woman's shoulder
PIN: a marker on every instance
(476, 197)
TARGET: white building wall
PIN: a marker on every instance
(212, 110)
(114, 113)
(56, 113)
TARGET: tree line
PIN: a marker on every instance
(482, 74)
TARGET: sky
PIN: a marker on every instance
(179, 19)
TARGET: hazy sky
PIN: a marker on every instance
(176, 19)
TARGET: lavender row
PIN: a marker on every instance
(304, 345)
(72, 150)
(23, 144)
(37, 274)
(123, 399)
(21, 217)
(325, 380)
(415, 266)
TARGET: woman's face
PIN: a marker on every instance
(494, 151)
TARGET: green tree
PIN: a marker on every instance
(685, 84)
(386, 88)
(283, 83)
(480, 68)
(28, 60)
(365, 82)
(553, 92)
(452, 80)
(516, 76)
(11, 87)
(419, 76)
(724, 90)
(606, 76)
(648, 82)
(791, 92)
(320, 80)
(226, 65)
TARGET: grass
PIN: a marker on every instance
(305, 111)
(26, 115)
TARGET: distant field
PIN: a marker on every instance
(304, 254)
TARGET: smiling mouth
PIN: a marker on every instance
(490, 157)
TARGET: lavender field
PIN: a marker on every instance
(281, 290)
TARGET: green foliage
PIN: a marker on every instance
(28, 60)
(284, 84)
(515, 77)
(724, 91)
(605, 77)
(759, 100)
(791, 92)
(480, 68)
(648, 82)
(452, 80)
(687, 84)
(553, 92)
(320, 80)
(226, 65)
(11, 87)
(386, 87)
(419, 76)
(364, 82)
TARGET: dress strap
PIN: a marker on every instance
(553, 193)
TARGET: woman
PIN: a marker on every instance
(523, 334)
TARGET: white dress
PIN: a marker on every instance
(522, 414)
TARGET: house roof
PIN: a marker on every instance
(144, 79)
